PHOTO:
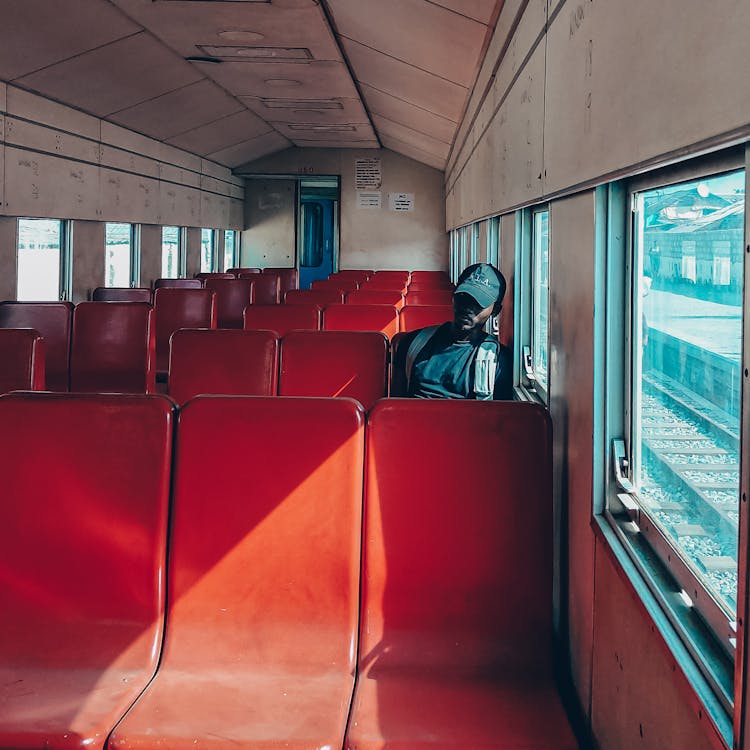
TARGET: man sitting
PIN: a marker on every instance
(458, 359)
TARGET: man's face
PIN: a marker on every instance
(468, 315)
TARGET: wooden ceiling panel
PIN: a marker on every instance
(179, 111)
(427, 36)
(405, 113)
(413, 153)
(186, 27)
(405, 82)
(293, 110)
(115, 76)
(479, 10)
(250, 150)
(221, 134)
(38, 33)
(410, 137)
(296, 132)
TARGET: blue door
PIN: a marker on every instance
(317, 227)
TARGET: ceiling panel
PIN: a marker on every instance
(250, 150)
(118, 75)
(405, 113)
(406, 82)
(337, 144)
(33, 34)
(415, 32)
(412, 138)
(179, 111)
(325, 132)
(479, 10)
(185, 27)
(413, 153)
(221, 134)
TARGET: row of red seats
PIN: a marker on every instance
(122, 347)
(253, 514)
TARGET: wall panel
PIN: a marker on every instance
(269, 237)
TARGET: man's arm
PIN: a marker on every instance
(503, 375)
(399, 348)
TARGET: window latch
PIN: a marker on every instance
(527, 367)
(621, 464)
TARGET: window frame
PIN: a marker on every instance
(529, 386)
(134, 260)
(214, 264)
(492, 249)
(235, 249)
(699, 624)
(65, 266)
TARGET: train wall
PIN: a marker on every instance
(370, 237)
(57, 162)
(585, 91)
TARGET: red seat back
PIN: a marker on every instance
(420, 316)
(82, 549)
(22, 358)
(428, 286)
(288, 279)
(54, 321)
(180, 308)
(223, 361)
(263, 578)
(367, 296)
(121, 294)
(237, 271)
(429, 297)
(282, 318)
(232, 297)
(400, 277)
(344, 285)
(431, 279)
(113, 348)
(178, 283)
(213, 275)
(390, 285)
(334, 363)
(383, 318)
(320, 297)
(359, 275)
(471, 592)
(266, 289)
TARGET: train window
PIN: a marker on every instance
(474, 249)
(678, 466)
(230, 249)
(43, 260)
(539, 319)
(493, 241)
(208, 251)
(172, 249)
(121, 256)
(454, 242)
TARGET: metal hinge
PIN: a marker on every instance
(527, 366)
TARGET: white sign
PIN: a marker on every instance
(401, 201)
(368, 199)
(367, 175)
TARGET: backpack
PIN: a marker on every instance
(485, 363)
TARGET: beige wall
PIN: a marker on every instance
(270, 208)
(374, 238)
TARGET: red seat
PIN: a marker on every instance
(334, 363)
(223, 361)
(383, 318)
(344, 285)
(82, 550)
(359, 275)
(282, 318)
(263, 579)
(431, 279)
(400, 277)
(320, 297)
(237, 271)
(456, 618)
(54, 321)
(288, 279)
(232, 297)
(430, 286)
(22, 356)
(121, 294)
(113, 348)
(429, 297)
(420, 316)
(266, 289)
(180, 308)
(367, 296)
(213, 275)
(374, 284)
(178, 283)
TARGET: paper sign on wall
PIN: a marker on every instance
(401, 201)
(367, 174)
(368, 199)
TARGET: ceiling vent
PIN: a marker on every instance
(258, 54)
(317, 128)
(267, 2)
(301, 104)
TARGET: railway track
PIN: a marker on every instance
(690, 477)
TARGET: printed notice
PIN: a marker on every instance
(401, 201)
(367, 175)
(368, 199)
